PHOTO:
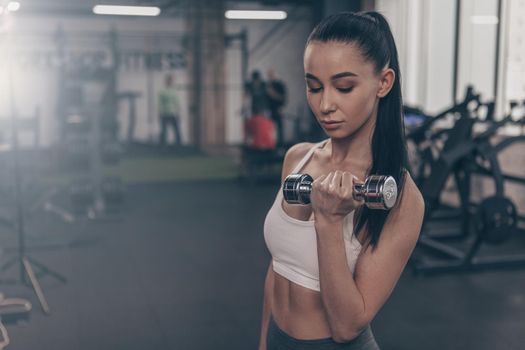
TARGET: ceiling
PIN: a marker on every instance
(169, 7)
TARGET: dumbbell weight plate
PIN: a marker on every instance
(291, 188)
(381, 191)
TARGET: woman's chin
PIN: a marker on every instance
(336, 134)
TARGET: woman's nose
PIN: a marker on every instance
(327, 105)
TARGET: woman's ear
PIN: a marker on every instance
(388, 76)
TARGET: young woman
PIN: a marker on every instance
(335, 262)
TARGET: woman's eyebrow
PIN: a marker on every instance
(333, 77)
(311, 76)
(342, 75)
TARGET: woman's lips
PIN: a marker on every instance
(331, 125)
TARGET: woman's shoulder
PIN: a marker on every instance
(294, 155)
(299, 150)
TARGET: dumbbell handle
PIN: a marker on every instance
(378, 191)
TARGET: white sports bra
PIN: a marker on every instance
(293, 243)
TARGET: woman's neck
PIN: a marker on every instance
(356, 148)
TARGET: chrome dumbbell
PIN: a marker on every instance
(378, 191)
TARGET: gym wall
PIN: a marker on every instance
(514, 75)
(271, 45)
(425, 34)
(37, 81)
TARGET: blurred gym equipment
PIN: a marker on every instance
(24, 261)
(88, 104)
(495, 218)
(423, 141)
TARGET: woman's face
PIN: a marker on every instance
(341, 87)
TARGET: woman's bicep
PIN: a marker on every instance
(378, 270)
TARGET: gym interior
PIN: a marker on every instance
(127, 222)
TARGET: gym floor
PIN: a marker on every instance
(182, 266)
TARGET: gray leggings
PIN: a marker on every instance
(277, 339)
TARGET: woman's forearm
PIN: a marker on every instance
(341, 298)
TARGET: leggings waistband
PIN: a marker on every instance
(277, 339)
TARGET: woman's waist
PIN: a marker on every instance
(298, 311)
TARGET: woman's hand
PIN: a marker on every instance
(332, 196)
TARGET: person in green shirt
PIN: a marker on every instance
(169, 111)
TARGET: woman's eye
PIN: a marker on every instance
(314, 90)
(345, 90)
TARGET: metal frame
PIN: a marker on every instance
(462, 260)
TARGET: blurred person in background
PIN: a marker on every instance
(169, 111)
(276, 97)
(259, 130)
(254, 100)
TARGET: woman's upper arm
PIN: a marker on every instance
(377, 271)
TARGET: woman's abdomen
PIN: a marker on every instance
(298, 311)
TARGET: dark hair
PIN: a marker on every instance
(371, 33)
(256, 75)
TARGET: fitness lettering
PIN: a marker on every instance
(132, 60)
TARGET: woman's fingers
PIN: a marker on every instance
(335, 184)
(320, 179)
(332, 194)
(318, 182)
(347, 183)
(327, 180)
